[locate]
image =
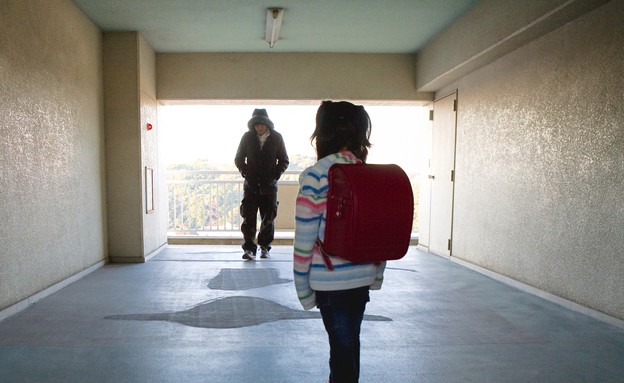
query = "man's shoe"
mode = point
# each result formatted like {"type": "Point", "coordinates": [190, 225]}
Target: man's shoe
{"type": "Point", "coordinates": [249, 255]}
{"type": "Point", "coordinates": [264, 252]}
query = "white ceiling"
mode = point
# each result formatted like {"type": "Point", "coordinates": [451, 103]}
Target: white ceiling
{"type": "Point", "coordinates": [350, 26]}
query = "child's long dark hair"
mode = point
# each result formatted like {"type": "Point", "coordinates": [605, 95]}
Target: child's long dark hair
{"type": "Point", "coordinates": [342, 125]}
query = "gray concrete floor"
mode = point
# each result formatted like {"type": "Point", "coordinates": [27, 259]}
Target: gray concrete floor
{"type": "Point", "coordinates": [201, 314]}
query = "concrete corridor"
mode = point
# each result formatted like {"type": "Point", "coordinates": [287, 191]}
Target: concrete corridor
{"type": "Point", "coordinates": [202, 314]}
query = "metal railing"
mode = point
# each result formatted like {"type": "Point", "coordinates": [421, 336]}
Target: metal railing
{"type": "Point", "coordinates": [201, 200]}
{"type": "Point", "coordinates": [207, 201]}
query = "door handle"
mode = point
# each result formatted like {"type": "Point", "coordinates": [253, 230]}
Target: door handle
{"type": "Point", "coordinates": [431, 176]}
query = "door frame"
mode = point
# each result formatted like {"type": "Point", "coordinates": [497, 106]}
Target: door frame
{"type": "Point", "coordinates": [430, 184]}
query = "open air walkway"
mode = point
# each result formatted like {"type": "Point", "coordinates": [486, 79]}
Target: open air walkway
{"type": "Point", "coordinates": [202, 314]}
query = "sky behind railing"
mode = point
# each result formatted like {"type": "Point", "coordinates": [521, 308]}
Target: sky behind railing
{"type": "Point", "coordinates": [213, 132]}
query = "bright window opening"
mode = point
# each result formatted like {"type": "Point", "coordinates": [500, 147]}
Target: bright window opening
{"type": "Point", "coordinates": [199, 142]}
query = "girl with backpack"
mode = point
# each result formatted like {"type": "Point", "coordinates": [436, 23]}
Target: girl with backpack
{"type": "Point", "coordinates": [341, 136]}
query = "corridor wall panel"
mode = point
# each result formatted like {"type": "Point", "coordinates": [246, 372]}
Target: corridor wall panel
{"type": "Point", "coordinates": [540, 163]}
{"type": "Point", "coordinates": [52, 179]}
{"type": "Point", "coordinates": [287, 76]}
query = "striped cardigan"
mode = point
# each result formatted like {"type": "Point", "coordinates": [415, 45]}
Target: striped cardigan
{"type": "Point", "coordinates": [310, 273]}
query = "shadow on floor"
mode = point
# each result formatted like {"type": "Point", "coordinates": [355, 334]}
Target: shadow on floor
{"type": "Point", "coordinates": [232, 312]}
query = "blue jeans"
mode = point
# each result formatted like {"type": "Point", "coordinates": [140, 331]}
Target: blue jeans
{"type": "Point", "coordinates": [342, 313]}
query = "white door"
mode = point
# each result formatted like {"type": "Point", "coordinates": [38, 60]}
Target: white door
{"type": "Point", "coordinates": [441, 174]}
{"type": "Point", "coordinates": [424, 186]}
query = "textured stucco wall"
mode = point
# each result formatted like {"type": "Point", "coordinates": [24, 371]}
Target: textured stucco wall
{"type": "Point", "coordinates": [540, 163]}
{"type": "Point", "coordinates": [51, 146]}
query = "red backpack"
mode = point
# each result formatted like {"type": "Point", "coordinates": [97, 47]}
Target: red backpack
{"type": "Point", "coordinates": [370, 210]}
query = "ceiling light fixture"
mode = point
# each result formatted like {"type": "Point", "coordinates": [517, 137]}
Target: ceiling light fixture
{"type": "Point", "coordinates": [273, 25]}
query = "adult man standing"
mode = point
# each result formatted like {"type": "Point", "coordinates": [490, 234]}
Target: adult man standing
{"type": "Point", "coordinates": [261, 159]}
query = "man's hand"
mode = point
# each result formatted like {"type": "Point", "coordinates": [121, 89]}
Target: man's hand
{"type": "Point", "coordinates": [243, 172]}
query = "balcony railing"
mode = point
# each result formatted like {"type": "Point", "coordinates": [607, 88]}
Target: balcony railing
{"type": "Point", "coordinates": [201, 201]}
{"type": "Point", "coordinates": [208, 201]}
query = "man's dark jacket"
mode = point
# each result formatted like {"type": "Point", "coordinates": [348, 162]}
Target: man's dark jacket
{"type": "Point", "coordinates": [261, 168]}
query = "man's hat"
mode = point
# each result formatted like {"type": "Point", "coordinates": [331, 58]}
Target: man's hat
{"type": "Point", "coordinates": [260, 116]}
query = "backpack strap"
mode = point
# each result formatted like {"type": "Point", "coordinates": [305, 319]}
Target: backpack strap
{"type": "Point", "coordinates": [328, 263]}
